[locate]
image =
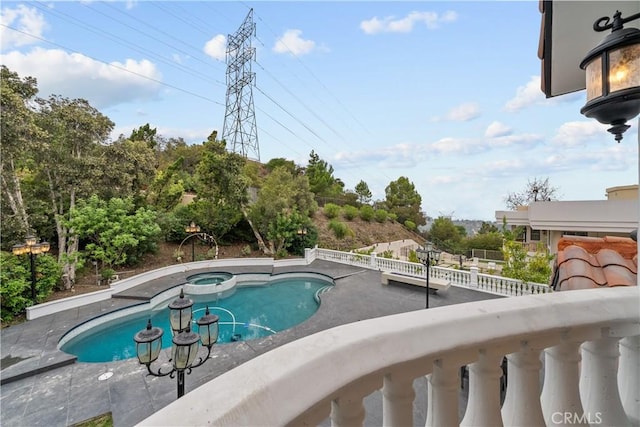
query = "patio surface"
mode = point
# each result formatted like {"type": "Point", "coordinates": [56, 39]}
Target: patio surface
{"type": "Point", "coordinates": [47, 387]}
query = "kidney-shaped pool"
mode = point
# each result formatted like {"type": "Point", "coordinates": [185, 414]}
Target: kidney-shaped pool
{"type": "Point", "coordinates": [248, 311]}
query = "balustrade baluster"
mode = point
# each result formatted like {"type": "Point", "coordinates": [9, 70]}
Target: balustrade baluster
{"type": "Point", "coordinates": [347, 410]}
{"type": "Point", "coordinates": [628, 374]}
{"type": "Point", "coordinates": [442, 395]}
{"type": "Point", "coordinates": [599, 385]}
{"type": "Point", "coordinates": [522, 403]}
{"type": "Point", "coordinates": [397, 400]}
{"type": "Point", "coordinates": [560, 392]}
{"type": "Point", "coordinates": [483, 407]}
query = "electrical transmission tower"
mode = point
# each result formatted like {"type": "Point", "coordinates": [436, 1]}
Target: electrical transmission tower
{"type": "Point", "coordinates": [240, 117]}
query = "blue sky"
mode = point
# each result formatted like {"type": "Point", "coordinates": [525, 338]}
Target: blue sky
{"type": "Point", "coordinates": [443, 93]}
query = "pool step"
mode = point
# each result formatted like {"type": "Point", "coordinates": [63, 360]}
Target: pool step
{"type": "Point", "coordinates": [35, 366]}
{"type": "Point", "coordinates": [320, 291]}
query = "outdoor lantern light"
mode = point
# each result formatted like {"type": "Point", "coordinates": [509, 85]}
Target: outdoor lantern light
{"type": "Point", "coordinates": [613, 75]}
{"type": "Point", "coordinates": [425, 255]}
{"type": "Point", "coordinates": [192, 229]}
{"type": "Point", "coordinates": [180, 316]}
{"type": "Point", "coordinates": [148, 344]}
{"type": "Point", "coordinates": [31, 247]}
{"type": "Point", "coordinates": [208, 328]}
{"type": "Point", "coordinates": [185, 342]}
{"type": "Point", "coordinates": [185, 349]}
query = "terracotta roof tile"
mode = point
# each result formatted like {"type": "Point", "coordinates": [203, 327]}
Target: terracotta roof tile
{"type": "Point", "coordinates": [592, 262]}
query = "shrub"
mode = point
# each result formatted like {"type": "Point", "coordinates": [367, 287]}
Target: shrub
{"type": "Point", "coordinates": [393, 217]}
{"type": "Point", "coordinates": [366, 213]}
{"type": "Point", "coordinates": [340, 229]}
{"type": "Point", "coordinates": [381, 215]}
{"type": "Point", "coordinates": [15, 276]}
{"type": "Point", "coordinates": [387, 254]}
{"type": "Point", "coordinates": [350, 212]}
{"type": "Point", "coordinates": [331, 210]}
{"type": "Point", "coordinates": [410, 225]}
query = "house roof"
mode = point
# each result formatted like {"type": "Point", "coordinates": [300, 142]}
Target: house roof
{"type": "Point", "coordinates": [595, 262]}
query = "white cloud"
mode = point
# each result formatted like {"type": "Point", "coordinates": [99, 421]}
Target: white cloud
{"type": "Point", "coordinates": [531, 94]}
{"type": "Point", "coordinates": [406, 24]}
{"type": "Point", "coordinates": [571, 134]}
{"type": "Point", "coordinates": [216, 47]}
{"type": "Point", "coordinates": [497, 129]}
{"type": "Point", "coordinates": [27, 20]}
{"type": "Point", "coordinates": [461, 113]}
{"type": "Point", "coordinates": [292, 43]}
{"type": "Point", "coordinates": [78, 76]}
{"type": "Point", "coordinates": [526, 95]}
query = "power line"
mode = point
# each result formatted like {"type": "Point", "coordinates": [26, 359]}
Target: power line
{"type": "Point", "coordinates": [115, 66]}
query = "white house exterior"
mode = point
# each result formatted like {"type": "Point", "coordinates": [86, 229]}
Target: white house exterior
{"type": "Point", "coordinates": [547, 221]}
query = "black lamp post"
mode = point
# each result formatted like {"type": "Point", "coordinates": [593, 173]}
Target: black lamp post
{"type": "Point", "coordinates": [192, 229]}
{"type": "Point", "coordinates": [613, 75]}
{"type": "Point", "coordinates": [31, 247]}
{"type": "Point", "coordinates": [185, 342]}
{"type": "Point", "coordinates": [425, 255]}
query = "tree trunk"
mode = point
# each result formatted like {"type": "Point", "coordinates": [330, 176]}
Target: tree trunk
{"type": "Point", "coordinates": [14, 196]}
{"type": "Point", "coordinates": [265, 250]}
{"type": "Point", "coordinates": [67, 244]}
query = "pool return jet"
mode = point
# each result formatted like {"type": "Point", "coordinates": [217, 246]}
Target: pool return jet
{"type": "Point", "coordinates": [185, 342]}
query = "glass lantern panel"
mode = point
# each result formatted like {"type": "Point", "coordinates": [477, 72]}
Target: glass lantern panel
{"type": "Point", "coordinates": [144, 352]}
{"type": "Point", "coordinates": [156, 347]}
{"type": "Point", "coordinates": [184, 355]}
{"type": "Point", "coordinates": [179, 356]}
{"type": "Point", "coordinates": [209, 334]}
{"type": "Point", "coordinates": [594, 79]}
{"type": "Point", "coordinates": [180, 319]}
{"type": "Point", "coordinates": [624, 68]}
{"type": "Point", "coordinates": [193, 352]}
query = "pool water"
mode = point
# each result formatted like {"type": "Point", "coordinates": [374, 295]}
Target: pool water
{"type": "Point", "coordinates": [250, 312]}
{"type": "Point", "coordinates": [208, 278]}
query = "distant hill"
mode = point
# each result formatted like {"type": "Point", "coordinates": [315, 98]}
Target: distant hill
{"type": "Point", "coordinates": [364, 233]}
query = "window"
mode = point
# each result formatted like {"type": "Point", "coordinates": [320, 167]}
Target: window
{"type": "Point", "coordinates": [535, 235]}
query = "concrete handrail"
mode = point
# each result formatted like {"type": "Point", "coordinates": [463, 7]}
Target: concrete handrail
{"type": "Point", "coordinates": [277, 393]}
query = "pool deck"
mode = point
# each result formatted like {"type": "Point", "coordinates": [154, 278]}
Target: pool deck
{"type": "Point", "coordinates": [42, 386]}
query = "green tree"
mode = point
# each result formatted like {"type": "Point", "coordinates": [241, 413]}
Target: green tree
{"type": "Point", "coordinates": [403, 200]}
{"type": "Point", "coordinates": [18, 132]}
{"type": "Point", "coordinates": [281, 197]}
{"type": "Point", "coordinates": [487, 227]}
{"type": "Point", "coordinates": [116, 232]}
{"type": "Point", "coordinates": [363, 192]}
{"type": "Point", "coordinates": [167, 189]}
{"type": "Point", "coordinates": [321, 179]}
{"type": "Point", "coordinates": [124, 168]}
{"type": "Point", "coordinates": [75, 132]}
{"type": "Point", "coordinates": [489, 241]}
{"type": "Point", "coordinates": [446, 235]}
{"type": "Point", "coordinates": [145, 134]}
{"type": "Point", "coordinates": [221, 187]}
{"type": "Point", "coordinates": [282, 162]}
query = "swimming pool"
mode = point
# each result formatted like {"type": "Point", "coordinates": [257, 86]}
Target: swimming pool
{"type": "Point", "coordinates": [248, 311]}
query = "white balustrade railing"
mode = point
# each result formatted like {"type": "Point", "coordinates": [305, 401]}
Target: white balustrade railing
{"type": "Point", "coordinates": [589, 339]}
{"type": "Point", "coordinates": [470, 279]}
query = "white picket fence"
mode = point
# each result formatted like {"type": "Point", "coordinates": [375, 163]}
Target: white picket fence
{"type": "Point", "coordinates": [472, 279]}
